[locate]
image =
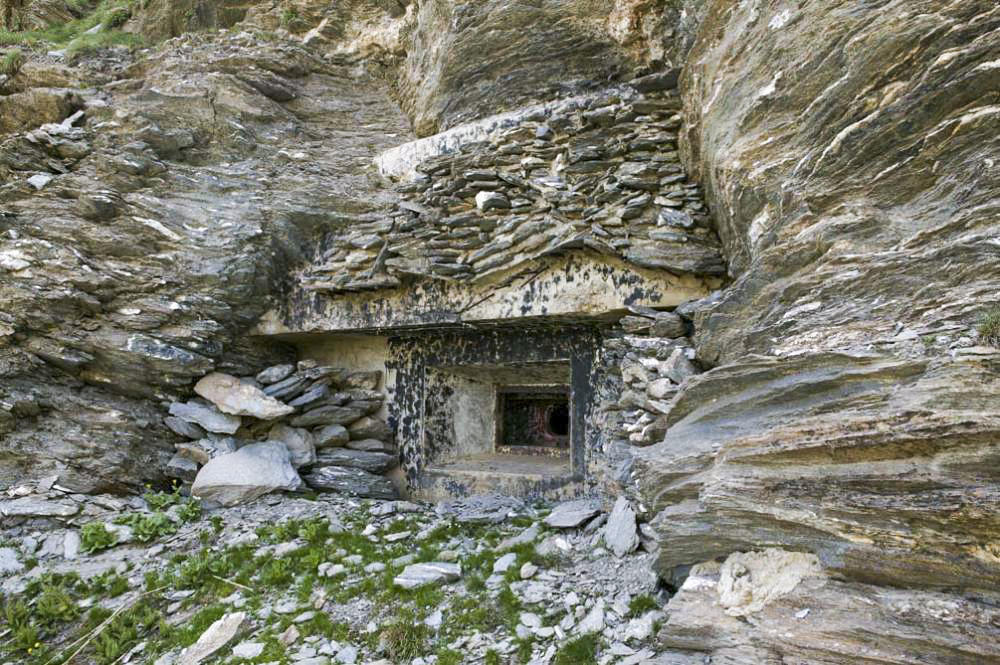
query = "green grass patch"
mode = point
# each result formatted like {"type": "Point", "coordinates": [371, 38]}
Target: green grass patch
{"type": "Point", "coordinates": [11, 62]}
{"type": "Point", "coordinates": [448, 657]}
{"type": "Point", "coordinates": [405, 638]}
{"type": "Point", "coordinates": [641, 604]}
{"type": "Point", "coordinates": [525, 646]}
{"type": "Point", "coordinates": [73, 34]}
{"type": "Point", "coordinates": [989, 327]}
{"type": "Point", "coordinates": [579, 651]}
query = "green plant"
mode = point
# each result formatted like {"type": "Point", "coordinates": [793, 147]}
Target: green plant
{"type": "Point", "coordinates": [96, 536]}
{"type": "Point", "coordinates": [641, 604]}
{"type": "Point", "coordinates": [405, 639]}
{"type": "Point", "coordinates": [12, 62]}
{"type": "Point", "coordinates": [147, 527]}
{"type": "Point", "coordinates": [190, 511]}
{"type": "Point", "coordinates": [162, 500]}
{"type": "Point", "coordinates": [216, 522]}
{"type": "Point", "coordinates": [288, 16]}
{"type": "Point", "coordinates": [989, 327]}
{"type": "Point", "coordinates": [579, 651]}
{"type": "Point", "coordinates": [525, 645]}
{"type": "Point", "coordinates": [110, 583]}
{"type": "Point", "coordinates": [491, 658]}
{"type": "Point", "coordinates": [508, 607]}
{"type": "Point", "coordinates": [116, 18]}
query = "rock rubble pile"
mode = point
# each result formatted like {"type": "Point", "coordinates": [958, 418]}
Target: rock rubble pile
{"type": "Point", "coordinates": [246, 436]}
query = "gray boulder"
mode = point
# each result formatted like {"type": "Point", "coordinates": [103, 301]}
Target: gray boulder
{"type": "Point", "coordinates": [421, 574]}
{"type": "Point", "coordinates": [237, 398]}
{"type": "Point", "coordinates": [246, 474]}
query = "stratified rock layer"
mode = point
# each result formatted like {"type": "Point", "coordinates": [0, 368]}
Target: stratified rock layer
{"type": "Point", "coordinates": [847, 157]}
{"type": "Point", "coordinates": [173, 213]}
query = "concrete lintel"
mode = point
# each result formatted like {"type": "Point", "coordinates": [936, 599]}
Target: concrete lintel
{"type": "Point", "coordinates": [576, 286]}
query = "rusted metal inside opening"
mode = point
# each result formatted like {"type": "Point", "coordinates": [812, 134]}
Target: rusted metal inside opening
{"type": "Point", "coordinates": [533, 420]}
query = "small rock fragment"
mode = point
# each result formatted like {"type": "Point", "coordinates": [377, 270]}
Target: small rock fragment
{"type": "Point", "coordinates": [214, 638]}
{"type": "Point", "coordinates": [572, 514]}
{"type": "Point", "coordinates": [421, 574]}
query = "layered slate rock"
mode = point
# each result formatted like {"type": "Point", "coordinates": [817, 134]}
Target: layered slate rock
{"type": "Point", "coordinates": [852, 411]}
{"type": "Point", "coordinates": [350, 481]}
{"type": "Point", "coordinates": [139, 267]}
{"type": "Point", "coordinates": [494, 196]}
{"type": "Point", "coordinates": [312, 391]}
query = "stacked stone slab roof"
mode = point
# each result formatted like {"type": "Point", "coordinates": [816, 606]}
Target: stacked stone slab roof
{"type": "Point", "coordinates": [603, 174]}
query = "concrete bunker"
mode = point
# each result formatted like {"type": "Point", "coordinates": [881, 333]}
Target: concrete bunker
{"type": "Point", "coordinates": [489, 294]}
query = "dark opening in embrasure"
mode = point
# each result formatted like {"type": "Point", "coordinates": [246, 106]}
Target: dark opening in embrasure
{"type": "Point", "coordinates": [533, 418]}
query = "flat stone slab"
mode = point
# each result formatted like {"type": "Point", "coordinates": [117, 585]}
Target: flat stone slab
{"type": "Point", "coordinates": [10, 563]}
{"type": "Point", "coordinates": [574, 513]}
{"type": "Point", "coordinates": [356, 459]}
{"type": "Point", "coordinates": [421, 574]}
{"type": "Point", "coordinates": [350, 481]}
{"type": "Point", "coordinates": [31, 507]}
{"type": "Point", "coordinates": [214, 638]}
{"type": "Point", "coordinates": [328, 415]}
{"type": "Point", "coordinates": [206, 415]}
{"type": "Point", "coordinates": [275, 374]}
{"type": "Point", "coordinates": [236, 398]}
{"type": "Point", "coordinates": [488, 508]}
{"type": "Point", "coordinates": [621, 534]}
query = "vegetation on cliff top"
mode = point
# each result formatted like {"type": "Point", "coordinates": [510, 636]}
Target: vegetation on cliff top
{"type": "Point", "coordinates": [98, 26]}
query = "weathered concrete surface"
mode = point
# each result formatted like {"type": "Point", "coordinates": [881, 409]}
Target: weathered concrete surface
{"type": "Point", "coordinates": [849, 153]}
{"type": "Point", "coordinates": [578, 285]}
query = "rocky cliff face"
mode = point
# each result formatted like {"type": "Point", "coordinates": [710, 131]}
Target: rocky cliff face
{"type": "Point", "coordinates": [826, 493]}
{"type": "Point", "coordinates": [849, 155]}
{"type": "Point", "coordinates": [153, 233]}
